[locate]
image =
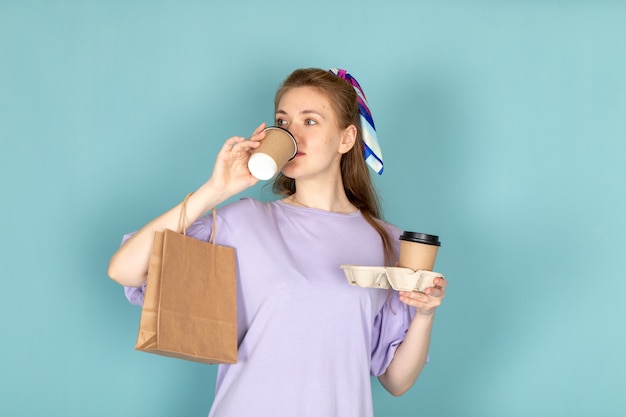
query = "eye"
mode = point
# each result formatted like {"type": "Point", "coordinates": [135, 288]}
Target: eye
{"type": "Point", "coordinates": [281, 122]}
{"type": "Point", "coordinates": [310, 122]}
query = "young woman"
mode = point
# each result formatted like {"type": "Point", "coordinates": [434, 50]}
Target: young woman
{"type": "Point", "coordinates": [308, 340]}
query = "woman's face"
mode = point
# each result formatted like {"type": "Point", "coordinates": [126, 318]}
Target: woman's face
{"type": "Point", "coordinates": [306, 112]}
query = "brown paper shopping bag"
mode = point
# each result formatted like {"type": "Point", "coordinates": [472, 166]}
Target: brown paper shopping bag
{"type": "Point", "coordinates": [190, 308]}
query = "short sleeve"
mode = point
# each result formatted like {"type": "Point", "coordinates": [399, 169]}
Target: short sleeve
{"type": "Point", "coordinates": [135, 295]}
{"type": "Point", "coordinates": [390, 327]}
{"type": "Point", "coordinates": [200, 229]}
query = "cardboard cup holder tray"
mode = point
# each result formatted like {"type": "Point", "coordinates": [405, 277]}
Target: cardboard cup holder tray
{"type": "Point", "coordinates": [384, 277]}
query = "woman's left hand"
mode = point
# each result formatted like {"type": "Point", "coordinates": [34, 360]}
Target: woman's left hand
{"type": "Point", "coordinates": [426, 302]}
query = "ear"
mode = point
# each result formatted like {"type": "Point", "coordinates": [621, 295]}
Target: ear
{"type": "Point", "coordinates": [348, 138]}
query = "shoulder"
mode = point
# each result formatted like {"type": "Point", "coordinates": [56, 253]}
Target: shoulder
{"type": "Point", "coordinates": [246, 205]}
{"type": "Point", "coordinates": [392, 229]}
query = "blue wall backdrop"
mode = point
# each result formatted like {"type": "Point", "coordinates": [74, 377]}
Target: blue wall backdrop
{"type": "Point", "coordinates": [503, 125]}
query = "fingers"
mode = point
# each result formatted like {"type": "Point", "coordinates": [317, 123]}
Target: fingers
{"type": "Point", "coordinates": [259, 132]}
{"type": "Point", "coordinates": [259, 129]}
{"type": "Point", "coordinates": [428, 300]}
{"type": "Point", "coordinates": [239, 146]}
{"type": "Point", "coordinates": [423, 303]}
{"type": "Point", "coordinates": [439, 287]}
{"type": "Point", "coordinates": [231, 142]}
{"type": "Point", "coordinates": [440, 282]}
{"type": "Point", "coordinates": [414, 298]}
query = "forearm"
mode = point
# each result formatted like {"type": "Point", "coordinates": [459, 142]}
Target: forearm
{"type": "Point", "coordinates": [410, 356]}
{"type": "Point", "coordinates": [129, 265]}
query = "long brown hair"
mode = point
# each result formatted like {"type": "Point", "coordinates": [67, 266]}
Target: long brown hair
{"type": "Point", "coordinates": [355, 174]}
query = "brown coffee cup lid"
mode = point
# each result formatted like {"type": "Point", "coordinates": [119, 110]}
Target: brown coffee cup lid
{"type": "Point", "coordinates": [420, 238]}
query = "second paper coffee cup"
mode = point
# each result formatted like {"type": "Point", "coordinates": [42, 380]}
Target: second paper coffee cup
{"type": "Point", "coordinates": [418, 251]}
{"type": "Point", "coordinates": [277, 148]}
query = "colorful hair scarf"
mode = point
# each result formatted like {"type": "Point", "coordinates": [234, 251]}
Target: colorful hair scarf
{"type": "Point", "coordinates": [373, 154]}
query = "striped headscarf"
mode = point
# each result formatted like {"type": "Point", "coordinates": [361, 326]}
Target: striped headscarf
{"type": "Point", "coordinates": [373, 154]}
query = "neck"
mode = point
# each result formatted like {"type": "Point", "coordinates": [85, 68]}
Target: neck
{"type": "Point", "coordinates": [322, 197]}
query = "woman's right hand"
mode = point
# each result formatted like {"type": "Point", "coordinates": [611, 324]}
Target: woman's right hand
{"type": "Point", "coordinates": [129, 264]}
{"type": "Point", "coordinates": [230, 172]}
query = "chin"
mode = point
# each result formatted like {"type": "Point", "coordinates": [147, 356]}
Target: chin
{"type": "Point", "coordinates": [288, 176]}
{"type": "Point", "coordinates": [289, 171]}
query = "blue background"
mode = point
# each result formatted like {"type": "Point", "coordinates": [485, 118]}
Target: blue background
{"type": "Point", "coordinates": [503, 129]}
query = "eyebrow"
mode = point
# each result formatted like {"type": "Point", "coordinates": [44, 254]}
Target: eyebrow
{"type": "Point", "coordinates": [282, 112]}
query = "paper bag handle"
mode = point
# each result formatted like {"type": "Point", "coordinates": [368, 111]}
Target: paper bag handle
{"type": "Point", "coordinates": [213, 230]}
{"type": "Point", "coordinates": [182, 220]}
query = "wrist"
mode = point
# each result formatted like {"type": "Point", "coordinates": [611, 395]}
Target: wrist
{"type": "Point", "coordinates": [424, 317]}
{"type": "Point", "coordinates": [210, 195]}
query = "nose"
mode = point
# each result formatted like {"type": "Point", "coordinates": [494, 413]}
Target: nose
{"type": "Point", "coordinates": [294, 132]}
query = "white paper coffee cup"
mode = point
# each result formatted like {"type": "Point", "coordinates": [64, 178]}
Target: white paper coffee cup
{"type": "Point", "coordinates": [277, 148]}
